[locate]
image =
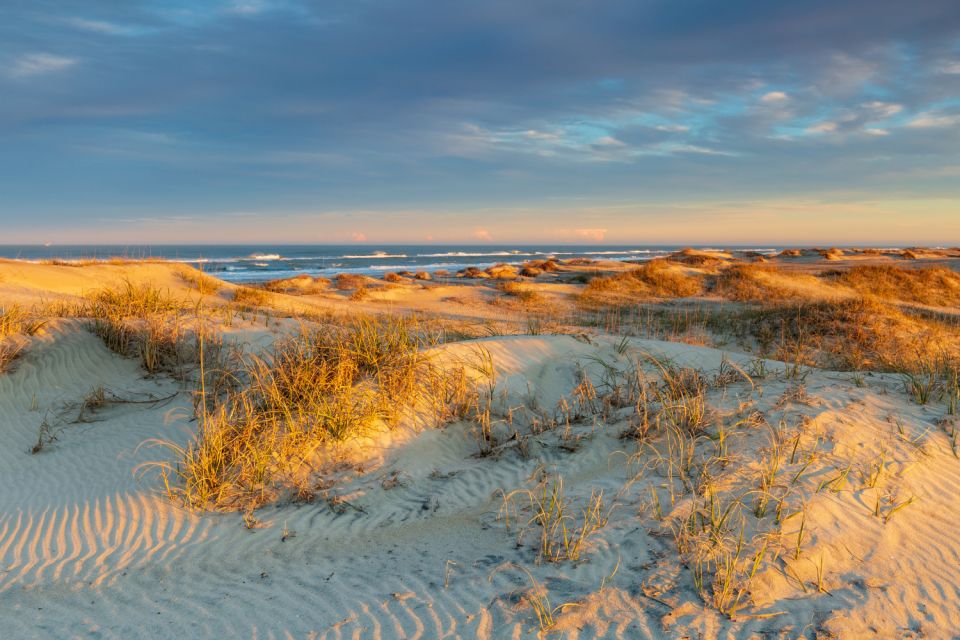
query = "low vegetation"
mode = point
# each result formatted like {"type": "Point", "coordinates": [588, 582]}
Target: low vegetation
{"type": "Point", "coordinates": [933, 286]}
{"type": "Point", "coordinates": [320, 386]}
{"type": "Point", "coordinates": [656, 279]}
{"type": "Point", "coordinates": [766, 284]}
{"type": "Point", "coordinates": [199, 281]}
{"type": "Point", "coordinates": [147, 322]}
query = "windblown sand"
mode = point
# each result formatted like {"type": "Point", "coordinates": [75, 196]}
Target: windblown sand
{"type": "Point", "coordinates": [412, 542]}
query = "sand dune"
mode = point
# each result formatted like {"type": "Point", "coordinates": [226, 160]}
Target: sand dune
{"type": "Point", "coordinates": [413, 539]}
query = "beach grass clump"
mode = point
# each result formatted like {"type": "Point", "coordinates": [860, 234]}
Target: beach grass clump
{"type": "Point", "coordinates": [199, 281]}
{"type": "Point", "coordinates": [932, 286]}
{"type": "Point", "coordinates": [298, 285]}
{"type": "Point", "coordinates": [349, 281]}
{"type": "Point", "coordinates": [132, 300]}
{"type": "Point", "coordinates": [847, 334]}
{"type": "Point", "coordinates": [250, 297]}
{"type": "Point", "coordinates": [520, 292]}
{"type": "Point", "coordinates": [146, 322]}
{"type": "Point", "coordinates": [656, 279]}
{"type": "Point", "coordinates": [766, 284]}
{"type": "Point", "coordinates": [14, 321]}
{"type": "Point", "coordinates": [318, 387]}
{"type": "Point", "coordinates": [562, 534]}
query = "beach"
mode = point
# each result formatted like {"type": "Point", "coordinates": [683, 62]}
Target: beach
{"type": "Point", "coordinates": [703, 443]}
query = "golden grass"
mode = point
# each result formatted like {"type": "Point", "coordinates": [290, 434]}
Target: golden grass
{"type": "Point", "coordinates": [767, 284]}
{"type": "Point", "coordinates": [14, 320]}
{"type": "Point", "coordinates": [299, 285]}
{"type": "Point", "coordinates": [196, 279]}
{"type": "Point", "coordinates": [317, 387]}
{"type": "Point", "coordinates": [347, 281]}
{"type": "Point", "coordinates": [145, 321]}
{"type": "Point", "coordinates": [525, 294]}
{"type": "Point", "coordinates": [857, 334]}
{"type": "Point", "coordinates": [655, 279]}
{"type": "Point", "coordinates": [933, 286]}
{"type": "Point", "coordinates": [251, 297]}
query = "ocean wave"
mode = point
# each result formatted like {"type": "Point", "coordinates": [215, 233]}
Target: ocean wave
{"type": "Point", "coordinates": [464, 254]}
{"type": "Point", "coordinates": [375, 256]}
{"type": "Point", "coordinates": [417, 267]}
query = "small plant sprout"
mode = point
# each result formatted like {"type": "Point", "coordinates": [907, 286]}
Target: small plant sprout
{"type": "Point", "coordinates": [562, 536]}
{"type": "Point", "coordinates": [538, 597]}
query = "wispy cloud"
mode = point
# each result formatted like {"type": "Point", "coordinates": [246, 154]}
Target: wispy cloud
{"type": "Point", "coordinates": [34, 64]}
{"type": "Point", "coordinates": [594, 235]}
{"type": "Point", "coordinates": [774, 97]}
{"type": "Point", "coordinates": [104, 27]}
{"type": "Point", "coordinates": [930, 120]}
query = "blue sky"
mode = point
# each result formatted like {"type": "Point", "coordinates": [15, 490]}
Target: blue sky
{"type": "Point", "coordinates": [498, 121]}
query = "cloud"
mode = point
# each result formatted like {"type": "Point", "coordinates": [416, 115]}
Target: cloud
{"type": "Point", "coordinates": [774, 97]}
{"type": "Point", "coordinates": [596, 235]}
{"type": "Point", "coordinates": [104, 27]}
{"type": "Point", "coordinates": [482, 234]}
{"type": "Point", "coordinates": [951, 68]}
{"type": "Point", "coordinates": [487, 107]}
{"type": "Point", "coordinates": [609, 141]}
{"type": "Point", "coordinates": [33, 64]}
{"type": "Point", "coordinates": [358, 236]}
{"type": "Point", "coordinates": [249, 7]}
{"type": "Point", "coordinates": [881, 110]}
{"type": "Point", "coordinates": [823, 127]}
{"type": "Point", "coordinates": [930, 120]}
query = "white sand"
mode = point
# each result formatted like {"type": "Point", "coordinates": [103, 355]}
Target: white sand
{"type": "Point", "coordinates": [88, 551]}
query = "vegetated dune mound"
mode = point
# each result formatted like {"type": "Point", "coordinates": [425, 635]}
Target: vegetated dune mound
{"type": "Point", "coordinates": [795, 495]}
{"type": "Point", "coordinates": [926, 285]}
{"type": "Point", "coordinates": [298, 285]}
{"type": "Point", "coordinates": [699, 257]}
{"type": "Point", "coordinates": [762, 283]}
{"type": "Point", "coordinates": [348, 281]}
{"type": "Point", "coordinates": [656, 279]}
{"type": "Point", "coordinates": [29, 282]}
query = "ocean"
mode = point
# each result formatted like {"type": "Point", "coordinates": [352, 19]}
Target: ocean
{"type": "Point", "coordinates": [257, 263]}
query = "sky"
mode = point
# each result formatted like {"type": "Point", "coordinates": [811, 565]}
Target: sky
{"type": "Point", "coordinates": [488, 121]}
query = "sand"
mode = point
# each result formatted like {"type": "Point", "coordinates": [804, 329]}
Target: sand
{"type": "Point", "coordinates": [416, 544]}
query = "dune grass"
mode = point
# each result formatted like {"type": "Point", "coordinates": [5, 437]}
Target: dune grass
{"type": "Point", "coordinates": [16, 322]}
{"type": "Point", "coordinates": [201, 282]}
{"type": "Point", "coordinates": [560, 534]}
{"type": "Point", "coordinates": [318, 387]}
{"type": "Point", "coordinates": [250, 297]}
{"type": "Point", "coordinates": [147, 322]}
{"type": "Point", "coordinates": [766, 284]}
{"type": "Point", "coordinates": [932, 285]}
{"type": "Point", "coordinates": [655, 279]}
